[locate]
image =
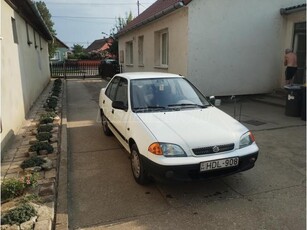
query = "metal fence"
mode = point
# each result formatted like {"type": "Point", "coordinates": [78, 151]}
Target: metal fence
{"type": "Point", "coordinates": [75, 68]}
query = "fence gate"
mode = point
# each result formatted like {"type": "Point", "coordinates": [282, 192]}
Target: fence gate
{"type": "Point", "coordinates": [75, 69]}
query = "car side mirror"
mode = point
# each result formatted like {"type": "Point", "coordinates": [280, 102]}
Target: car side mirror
{"type": "Point", "coordinates": [119, 105]}
{"type": "Point", "coordinates": [212, 99]}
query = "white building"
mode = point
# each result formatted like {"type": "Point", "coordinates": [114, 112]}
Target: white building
{"type": "Point", "coordinates": [24, 63]}
{"type": "Point", "coordinates": [224, 47]}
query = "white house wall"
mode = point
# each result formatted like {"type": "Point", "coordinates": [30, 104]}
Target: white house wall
{"type": "Point", "coordinates": [176, 23]}
{"type": "Point", "coordinates": [24, 72]}
{"type": "Point", "coordinates": [235, 47]}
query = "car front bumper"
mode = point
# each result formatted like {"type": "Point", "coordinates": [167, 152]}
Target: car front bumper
{"type": "Point", "coordinates": [192, 172]}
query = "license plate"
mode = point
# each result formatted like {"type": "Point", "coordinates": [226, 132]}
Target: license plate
{"type": "Point", "coordinates": [218, 164]}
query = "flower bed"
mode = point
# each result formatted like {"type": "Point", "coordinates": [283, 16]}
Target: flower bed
{"type": "Point", "coordinates": [28, 185]}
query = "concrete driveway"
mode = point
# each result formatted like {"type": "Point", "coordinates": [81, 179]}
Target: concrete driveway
{"type": "Point", "coordinates": [102, 193]}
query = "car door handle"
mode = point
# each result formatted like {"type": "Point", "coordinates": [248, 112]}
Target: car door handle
{"type": "Point", "coordinates": [113, 111]}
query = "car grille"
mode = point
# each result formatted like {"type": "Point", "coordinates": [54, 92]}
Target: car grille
{"type": "Point", "coordinates": [213, 149]}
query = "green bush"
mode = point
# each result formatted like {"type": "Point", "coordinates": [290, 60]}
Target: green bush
{"type": "Point", "coordinates": [46, 120]}
{"type": "Point", "coordinates": [52, 103]}
{"type": "Point", "coordinates": [51, 109]}
{"type": "Point", "coordinates": [32, 162]}
{"type": "Point", "coordinates": [57, 81]}
{"type": "Point", "coordinates": [56, 91]}
{"type": "Point", "coordinates": [52, 100]}
{"type": "Point", "coordinates": [18, 215]}
{"type": "Point", "coordinates": [29, 180]}
{"type": "Point", "coordinates": [47, 117]}
{"type": "Point", "coordinates": [56, 87]}
{"type": "Point", "coordinates": [43, 136]}
{"type": "Point", "coordinates": [55, 94]}
{"type": "Point", "coordinates": [44, 128]}
{"type": "Point", "coordinates": [48, 114]}
{"type": "Point", "coordinates": [41, 146]}
{"type": "Point", "coordinates": [30, 198]}
{"type": "Point", "coordinates": [11, 188]}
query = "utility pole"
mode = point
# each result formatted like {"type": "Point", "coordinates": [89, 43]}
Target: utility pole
{"type": "Point", "coordinates": [138, 4]}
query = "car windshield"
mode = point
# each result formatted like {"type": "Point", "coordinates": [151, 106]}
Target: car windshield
{"type": "Point", "coordinates": [160, 94]}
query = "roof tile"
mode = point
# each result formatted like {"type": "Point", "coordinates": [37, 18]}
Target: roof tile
{"type": "Point", "coordinates": [156, 8]}
{"type": "Point", "coordinates": [289, 10]}
{"type": "Point", "coordinates": [98, 44]}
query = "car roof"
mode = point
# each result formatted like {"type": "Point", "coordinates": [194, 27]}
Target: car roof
{"type": "Point", "coordinates": [147, 75]}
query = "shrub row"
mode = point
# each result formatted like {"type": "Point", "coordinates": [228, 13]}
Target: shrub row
{"type": "Point", "coordinates": [15, 187]}
{"type": "Point", "coordinates": [52, 100]}
{"type": "Point", "coordinates": [45, 127]}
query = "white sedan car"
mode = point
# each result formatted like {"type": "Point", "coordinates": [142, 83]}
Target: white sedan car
{"type": "Point", "coordinates": [171, 131]}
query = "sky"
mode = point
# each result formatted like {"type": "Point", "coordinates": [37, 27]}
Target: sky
{"type": "Point", "coordinates": [84, 21]}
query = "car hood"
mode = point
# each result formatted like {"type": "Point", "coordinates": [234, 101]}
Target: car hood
{"type": "Point", "coordinates": [195, 128]}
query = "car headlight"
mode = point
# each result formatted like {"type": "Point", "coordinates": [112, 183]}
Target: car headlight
{"type": "Point", "coordinates": [166, 149]}
{"type": "Point", "coordinates": [246, 140]}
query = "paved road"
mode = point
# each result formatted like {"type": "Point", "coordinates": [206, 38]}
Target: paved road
{"type": "Point", "coordinates": [103, 194]}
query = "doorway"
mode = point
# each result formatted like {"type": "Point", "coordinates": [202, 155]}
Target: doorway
{"type": "Point", "coordinates": [299, 47]}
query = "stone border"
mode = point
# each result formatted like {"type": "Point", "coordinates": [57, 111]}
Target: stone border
{"type": "Point", "coordinates": [48, 180]}
{"type": "Point", "coordinates": [62, 189]}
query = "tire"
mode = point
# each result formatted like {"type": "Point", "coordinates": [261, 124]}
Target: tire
{"type": "Point", "coordinates": [104, 124]}
{"type": "Point", "coordinates": [138, 170]}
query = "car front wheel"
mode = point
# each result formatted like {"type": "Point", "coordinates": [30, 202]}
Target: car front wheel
{"type": "Point", "coordinates": [138, 170]}
{"type": "Point", "coordinates": [104, 123]}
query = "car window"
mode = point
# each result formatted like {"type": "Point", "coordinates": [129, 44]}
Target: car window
{"type": "Point", "coordinates": [111, 90]}
{"type": "Point", "coordinates": [122, 91]}
{"type": "Point", "coordinates": [165, 93]}
{"type": "Point", "coordinates": [189, 93]}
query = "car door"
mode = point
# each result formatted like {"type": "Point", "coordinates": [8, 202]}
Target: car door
{"type": "Point", "coordinates": [110, 97]}
{"type": "Point", "coordinates": [120, 116]}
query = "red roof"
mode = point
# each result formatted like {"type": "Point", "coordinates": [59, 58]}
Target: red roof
{"type": "Point", "coordinates": [155, 11]}
{"type": "Point", "coordinates": [99, 45]}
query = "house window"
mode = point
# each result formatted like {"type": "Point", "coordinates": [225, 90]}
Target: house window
{"type": "Point", "coordinates": [56, 56]}
{"type": "Point", "coordinates": [14, 27]}
{"type": "Point", "coordinates": [28, 36]}
{"type": "Point", "coordinates": [164, 49]}
{"type": "Point", "coordinates": [35, 43]}
{"type": "Point", "coordinates": [40, 43]}
{"type": "Point", "coordinates": [141, 50]}
{"type": "Point", "coordinates": [121, 56]}
{"type": "Point", "coordinates": [161, 48]}
{"type": "Point", "coordinates": [129, 53]}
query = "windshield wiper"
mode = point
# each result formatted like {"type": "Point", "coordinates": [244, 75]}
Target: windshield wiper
{"type": "Point", "coordinates": [187, 105]}
{"type": "Point", "coordinates": [148, 108]}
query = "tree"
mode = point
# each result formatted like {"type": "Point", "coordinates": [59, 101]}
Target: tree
{"type": "Point", "coordinates": [119, 25]}
{"type": "Point", "coordinates": [77, 49]}
{"type": "Point", "coordinates": [78, 52]}
{"type": "Point", "coordinates": [46, 16]}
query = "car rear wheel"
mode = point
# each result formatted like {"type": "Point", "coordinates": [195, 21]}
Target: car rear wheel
{"type": "Point", "coordinates": [104, 123]}
{"type": "Point", "coordinates": [138, 170]}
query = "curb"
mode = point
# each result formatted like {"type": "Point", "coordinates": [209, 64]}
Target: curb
{"type": "Point", "coordinates": [61, 218]}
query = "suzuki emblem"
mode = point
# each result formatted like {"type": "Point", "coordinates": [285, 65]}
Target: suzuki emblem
{"type": "Point", "coordinates": [216, 149]}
